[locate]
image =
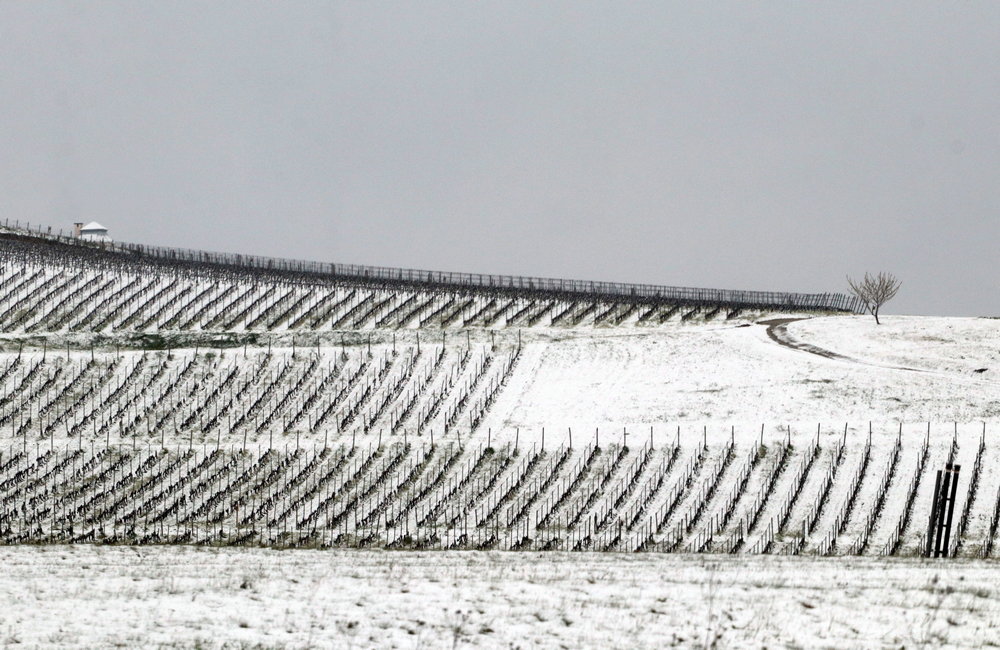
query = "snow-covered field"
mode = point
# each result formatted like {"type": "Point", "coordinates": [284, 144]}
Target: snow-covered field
{"type": "Point", "coordinates": [187, 597]}
{"type": "Point", "coordinates": [956, 346]}
{"type": "Point", "coordinates": [719, 378]}
{"type": "Point", "coordinates": [909, 369]}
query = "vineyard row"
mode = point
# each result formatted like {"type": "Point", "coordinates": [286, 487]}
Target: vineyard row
{"type": "Point", "coordinates": [40, 293]}
{"type": "Point", "coordinates": [254, 395]}
{"type": "Point", "coordinates": [826, 496]}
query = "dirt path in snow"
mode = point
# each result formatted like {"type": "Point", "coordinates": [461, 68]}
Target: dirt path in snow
{"type": "Point", "coordinates": [777, 331]}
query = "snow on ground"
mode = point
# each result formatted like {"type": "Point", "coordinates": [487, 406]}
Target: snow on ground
{"type": "Point", "coordinates": [186, 597]}
{"type": "Point", "coordinates": [957, 346]}
{"type": "Point", "coordinates": [735, 373]}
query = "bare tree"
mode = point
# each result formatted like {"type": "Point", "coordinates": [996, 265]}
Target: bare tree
{"type": "Point", "coordinates": [875, 290]}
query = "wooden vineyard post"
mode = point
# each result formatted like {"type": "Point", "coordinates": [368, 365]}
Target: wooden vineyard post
{"type": "Point", "coordinates": [932, 521]}
{"type": "Point", "coordinates": [942, 511]}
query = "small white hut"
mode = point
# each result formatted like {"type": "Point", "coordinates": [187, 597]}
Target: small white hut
{"type": "Point", "coordinates": [92, 231]}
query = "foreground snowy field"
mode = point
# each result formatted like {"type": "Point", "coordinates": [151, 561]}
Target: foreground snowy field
{"type": "Point", "coordinates": [184, 597]}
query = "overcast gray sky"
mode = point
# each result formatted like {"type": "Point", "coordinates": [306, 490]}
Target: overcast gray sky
{"type": "Point", "coordinates": [735, 145]}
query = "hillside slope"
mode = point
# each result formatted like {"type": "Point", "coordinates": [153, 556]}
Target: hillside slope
{"type": "Point", "coordinates": [144, 402]}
